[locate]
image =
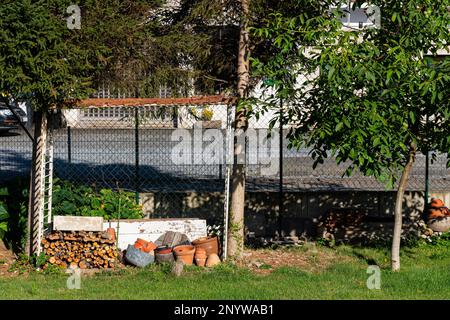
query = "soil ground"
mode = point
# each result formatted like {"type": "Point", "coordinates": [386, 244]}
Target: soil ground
{"type": "Point", "coordinates": [6, 259]}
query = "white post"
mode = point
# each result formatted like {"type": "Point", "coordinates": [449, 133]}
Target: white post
{"type": "Point", "coordinates": [50, 177]}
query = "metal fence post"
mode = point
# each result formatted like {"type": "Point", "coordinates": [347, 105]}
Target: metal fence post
{"type": "Point", "coordinates": [136, 153]}
{"type": "Point", "coordinates": [69, 144]}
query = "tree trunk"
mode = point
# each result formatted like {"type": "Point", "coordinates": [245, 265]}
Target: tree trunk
{"type": "Point", "coordinates": [396, 238]}
{"type": "Point", "coordinates": [236, 225]}
{"type": "Point", "coordinates": [36, 200]}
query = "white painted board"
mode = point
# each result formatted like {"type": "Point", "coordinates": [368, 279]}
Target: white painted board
{"type": "Point", "coordinates": [152, 229]}
{"type": "Point", "coordinates": [75, 223]}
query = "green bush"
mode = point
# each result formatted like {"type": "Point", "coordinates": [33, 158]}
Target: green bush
{"type": "Point", "coordinates": [441, 241]}
{"type": "Point", "coordinates": [68, 199]}
{"type": "Point", "coordinates": [4, 215]}
{"type": "Point", "coordinates": [14, 213]}
{"type": "Point", "coordinates": [79, 200]}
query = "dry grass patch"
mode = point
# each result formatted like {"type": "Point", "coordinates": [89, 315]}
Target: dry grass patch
{"type": "Point", "coordinates": [308, 257]}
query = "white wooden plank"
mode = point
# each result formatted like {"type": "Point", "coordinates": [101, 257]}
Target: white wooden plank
{"type": "Point", "coordinates": [151, 229]}
{"type": "Point", "coordinates": [74, 223]}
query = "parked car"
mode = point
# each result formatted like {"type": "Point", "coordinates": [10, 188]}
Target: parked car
{"type": "Point", "coordinates": [8, 121]}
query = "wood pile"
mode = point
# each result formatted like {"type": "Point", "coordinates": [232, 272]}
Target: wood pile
{"type": "Point", "coordinates": [85, 250]}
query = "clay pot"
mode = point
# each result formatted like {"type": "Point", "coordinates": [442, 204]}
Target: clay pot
{"type": "Point", "coordinates": [163, 250]}
{"type": "Point", "coordinates": [111, 233]}
{"type": "Point", "coordinates": [200, 261]}
{"type": "Point", "coordinates": [138, 258]}
{"type": "Point", "coordinates": [142, 242]}
{"type": "Point", "coordinates": [185, 253]}
{"type": "Point", "coordinates": [138, 245]}
{"type": "Point", "coordinates": [435, 213]}
{"type": "Point", "coordinates": [149, 247]}
{"type": "Point", "coordinates": [164, 257]}
{"type": "Point", "coordinates": [209, 244]}
{"type": "Point", "coordinates": [200, 251]}
{"type": "Point", "coordinates": [437, 203]}
{"type": "Point", "coordinates": [440, 224]}
{"type": "Point", "coordinates": [213, 260]}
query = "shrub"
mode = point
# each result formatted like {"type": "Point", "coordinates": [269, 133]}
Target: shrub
{"type": "Point", "coordinates": [4, 216]}
{"type": "Point", "coordinates": [68, 199]}
{"type": "Point", "coordinates": [207, 114]}
{"type": "Point", "coordinates": [14, 213]}
{"type": "Point", "coordinates": [441, 240]}
{"type": "Point", "coordinates": [80, 200]}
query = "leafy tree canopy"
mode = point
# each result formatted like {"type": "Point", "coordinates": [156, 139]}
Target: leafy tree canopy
{"type": "Point", "coordinates": [370, 96]}
{"type": "Point", "coordinates": [50, 64]}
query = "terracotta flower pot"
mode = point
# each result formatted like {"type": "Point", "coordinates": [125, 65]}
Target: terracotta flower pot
{"type": "Point", "coordinates": [142, 242]}
{"type": "Point", "coordinates": [209, 244]}
{"type": "Point", "coordinates": [200, 253]}
{"type": "Point", "coordinates": [213, 260]}
{"type": "Point", "coordinates": [441, 224]}
{"type": "Point", "coordinates": [164, 257]}
{"type": "Point", "coordinates": [200, 261]}
{"type": "Point", "coordinates": [437, 203]}
{"type": "Point", "coordinates": [163, 249]}
{"type": "Point", "coordinates": [435, 213]}
{"type": "Point", "coordinates": [112, 233]}
{"type": "Point", "coordinates": [138, 245]}
{"type": "Point", "coordinates": [185, 253]}
{"type": "Point", "coordinates": [149, 247]}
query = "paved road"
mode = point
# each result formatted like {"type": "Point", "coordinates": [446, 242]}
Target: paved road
{"type": "Point", "coordinates": [108, 156]}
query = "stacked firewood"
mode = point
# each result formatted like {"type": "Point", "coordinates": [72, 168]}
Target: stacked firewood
{"type": "Point", "coordinates": [85, 250]}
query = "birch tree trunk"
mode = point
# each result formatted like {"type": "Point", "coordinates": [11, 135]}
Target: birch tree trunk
{"type": "Point", "coordinates": [396, 238]}
{"type": "Point", "coordinates": [236, 224]}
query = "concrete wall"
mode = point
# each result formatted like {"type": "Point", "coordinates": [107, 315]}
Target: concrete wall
{"type": "Point", "coordinates": [261, 216]}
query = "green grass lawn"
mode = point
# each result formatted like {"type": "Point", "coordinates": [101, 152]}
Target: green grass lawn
{"type": "Point", "coordinates": [425, 274]}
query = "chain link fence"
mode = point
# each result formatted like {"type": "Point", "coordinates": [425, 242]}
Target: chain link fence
{"type": "Point", "coordinates": [174, 157]}
{"type": "Point", "coordinates": [143, 148]}
{"type": "Point", "coordinates": [135, 148]}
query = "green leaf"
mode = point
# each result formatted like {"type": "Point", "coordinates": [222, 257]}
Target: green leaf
{"type": "Point", "coordinates": [412, 116]}
{"type": "Point", "coordinates": [331, 72]}
{"type": "Point", "coordinates": [3, 212]}
{"type": "Point", "coordinates": [376, 141]}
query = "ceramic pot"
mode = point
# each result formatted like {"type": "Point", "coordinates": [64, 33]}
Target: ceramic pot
{"type": "Point", "coordinates": [437, 203]}
{"type": "Point", "coordinates": [149, 247]}
{"type": "Point", "coordinates": [200, 261]}
{"type": "Point", "coordinates": [200, 253]}
{"type": "Point", "coordinates": [185, 253]}
{"type": "Point", "coordinates": [137, 257]}
{"type": "Point", "coordinates": [163, 250]}
{"type": "Point", "coordinates": [111, 233]}
{"type": "Point", "coordinates": [142, 242]}
{"type": "Point", "coordinates": [440, 224]}
{"type": "Point", "coordinates": [164, 257]}
{"type": "Point", "coordinates": [213, 260]}
{"type": "Point", "coordinates": [209, 244]}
